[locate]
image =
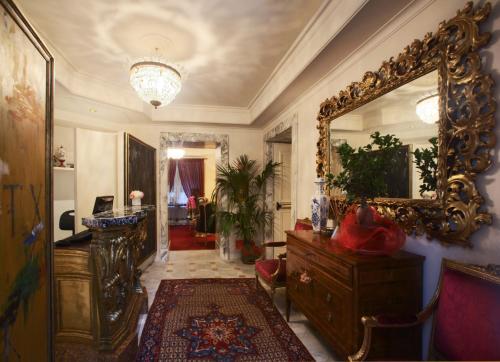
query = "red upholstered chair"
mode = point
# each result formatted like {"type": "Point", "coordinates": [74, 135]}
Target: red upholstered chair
{"type": "Point", "coordinates": [273, 271]}
{"type": "Point", "coordinates": [466, 310]}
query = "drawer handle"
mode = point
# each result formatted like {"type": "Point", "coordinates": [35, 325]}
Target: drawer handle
{"type": "Point", "coordinates": [330, 317]}
{"type": "Point", "coordinates": [305, 278]}
{"type": "Point", "coordinates": [328, 297]}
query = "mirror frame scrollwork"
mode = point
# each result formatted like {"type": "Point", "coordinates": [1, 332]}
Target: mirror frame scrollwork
{"type": "Point", "coordinates": [467, 119]}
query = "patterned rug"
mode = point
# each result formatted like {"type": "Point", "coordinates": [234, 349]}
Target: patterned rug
{"type": "Point", "coordinates": [217, 320]}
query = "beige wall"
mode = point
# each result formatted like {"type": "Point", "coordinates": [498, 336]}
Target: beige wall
{"type": "Point", "coordinates": [96, 170]}
{"type": "Point", "coordinates": [241, 140]}
{"type": "Point", "coordinates": [390, 42]}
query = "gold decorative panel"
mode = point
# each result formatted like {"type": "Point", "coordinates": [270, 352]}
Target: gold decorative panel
{"type": "Point", "coordinates": [465, 126]}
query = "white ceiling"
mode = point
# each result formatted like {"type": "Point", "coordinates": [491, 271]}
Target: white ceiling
{"type": "Point", "coordinates": [227, 48]}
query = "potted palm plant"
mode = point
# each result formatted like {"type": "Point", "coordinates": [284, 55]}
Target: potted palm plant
{"type": "Point", "coordinates": [240, 190]}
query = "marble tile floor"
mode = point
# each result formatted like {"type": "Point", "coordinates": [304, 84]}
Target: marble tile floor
{"type": "Point", "coordinates": [208, 264]}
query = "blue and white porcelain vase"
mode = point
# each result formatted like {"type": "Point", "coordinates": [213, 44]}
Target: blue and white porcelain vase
{"type": "Point", "coordinates": [319, 207]}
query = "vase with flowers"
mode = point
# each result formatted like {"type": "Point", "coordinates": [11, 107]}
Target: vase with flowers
{"type": "Point", "coordinates": [136, 197]}
{"type": "Point", "coordinates": [363, 178]}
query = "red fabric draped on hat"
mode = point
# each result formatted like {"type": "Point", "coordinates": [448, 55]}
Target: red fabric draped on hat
{"type": "Point", "coordinates": [383, 238]}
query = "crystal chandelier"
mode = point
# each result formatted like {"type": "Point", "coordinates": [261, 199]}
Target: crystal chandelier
{"type": "Point", "coordinates": [427, 109]}
{"type": "Point", "coordinates": [155, 82]}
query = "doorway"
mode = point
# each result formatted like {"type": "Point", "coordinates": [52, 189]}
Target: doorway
{"type": "Point", "coordinates": [282, 153]}
{"type": "Point", "coordinates": [280, 145]}
{"type": "Point", "coordinates": [191, 225]}
{"type": "Point", "coordinates": [218, 142]}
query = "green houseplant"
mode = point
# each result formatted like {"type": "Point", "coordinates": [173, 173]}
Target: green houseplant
{"type": "Point", "coordinates": [426, 162]}
{"type": "Point", "coordinates": [240, 188]}
{"type": "Point", "coordinates": [364, 171]}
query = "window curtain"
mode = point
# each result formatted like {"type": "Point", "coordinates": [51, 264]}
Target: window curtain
{"type": "Point", "coordinates": [177, 196]}
{"type": "Point", "coordinates": [172, 168]}
{"type": "Point", "coordinates": [192, 175]}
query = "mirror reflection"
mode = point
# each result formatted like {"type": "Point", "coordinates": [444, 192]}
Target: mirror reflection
{"type": "Point", "coordinates": [409, 112]}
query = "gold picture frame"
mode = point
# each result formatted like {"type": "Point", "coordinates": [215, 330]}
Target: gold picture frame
{"type": "Point", "coordinates": [467, 119]}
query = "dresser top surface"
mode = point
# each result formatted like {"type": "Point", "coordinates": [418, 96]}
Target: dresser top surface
{"type": "Point", "coordinates": [325, 245]}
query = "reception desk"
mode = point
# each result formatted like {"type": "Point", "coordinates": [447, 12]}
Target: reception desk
{"type": "Point", "coordinates": [98, 293]}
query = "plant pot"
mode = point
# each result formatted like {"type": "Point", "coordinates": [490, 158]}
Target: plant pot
{"type": "Point", "coordinates": [249, 253]}
{"type": "Point", "coordinates": [136, 201]}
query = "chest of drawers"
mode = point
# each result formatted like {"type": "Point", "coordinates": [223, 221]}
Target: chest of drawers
{"type": "Point", "coordinates": [334, 288]}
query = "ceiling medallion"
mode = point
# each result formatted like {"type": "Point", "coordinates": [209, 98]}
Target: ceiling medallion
{"type": "Point", "coordinates": [155, 81]}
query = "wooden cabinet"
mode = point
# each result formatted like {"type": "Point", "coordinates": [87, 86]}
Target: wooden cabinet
{"type": "Point", "coordinates": [334, 288]}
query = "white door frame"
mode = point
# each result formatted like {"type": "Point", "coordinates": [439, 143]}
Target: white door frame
{"type": "Point", "coordinates": [290, 122]}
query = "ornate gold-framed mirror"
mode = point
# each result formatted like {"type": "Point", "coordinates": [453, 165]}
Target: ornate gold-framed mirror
{"type": "Point", "coordinates": [464, 126]}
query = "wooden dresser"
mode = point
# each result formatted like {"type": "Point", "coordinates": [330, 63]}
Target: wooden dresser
{"type": "Point", "coordinates": [334, 288]}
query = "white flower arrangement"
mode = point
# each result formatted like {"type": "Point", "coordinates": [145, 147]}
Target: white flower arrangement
{"type": "Point", "coordinates": [136, 194]}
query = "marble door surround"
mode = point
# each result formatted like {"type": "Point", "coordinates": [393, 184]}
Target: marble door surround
{"type": "Point", "coordinates": [176, 139]}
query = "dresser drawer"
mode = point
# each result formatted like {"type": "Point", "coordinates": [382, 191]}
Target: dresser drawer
{"type": "Point", "coordinates": [336, 267]}
{"type": "Point", "coordinates": [333, 307]}
{"type": "Point", "coordinates": [375, 276]}
{"type": "Point", "coordinates": [298, 290]}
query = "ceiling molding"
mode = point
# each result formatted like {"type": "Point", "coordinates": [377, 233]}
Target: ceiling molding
{"type": "Point", "coordinates": [330, 19]}
{"type": "Point", "coordinates": [202, 114]}
{"type": "Point", "coordinates": [384, 32]}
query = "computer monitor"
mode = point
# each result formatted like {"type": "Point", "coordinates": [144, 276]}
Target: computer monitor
{"type": "Point", "coordinates": [103, 203]}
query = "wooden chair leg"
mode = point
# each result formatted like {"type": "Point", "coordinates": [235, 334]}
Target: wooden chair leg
{"type": "Point", "coordinates": [288, 305]}
{"type": "Point", "coordinates": [256, 280]}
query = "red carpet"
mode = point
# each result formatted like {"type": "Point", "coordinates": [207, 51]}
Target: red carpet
{"type": "Point", "coordinates": [217, 320]}
{"type": "Point", "coordinates": [182, 238]}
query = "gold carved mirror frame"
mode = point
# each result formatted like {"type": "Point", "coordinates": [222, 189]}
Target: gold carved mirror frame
{"type": "Point", "coordinates": [465, 137]}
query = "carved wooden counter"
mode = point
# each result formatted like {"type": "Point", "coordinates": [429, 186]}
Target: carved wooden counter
{"type": "Point", "coordinates": [98, 295]}
{"type": "Point", "coordinates": [334, 288]}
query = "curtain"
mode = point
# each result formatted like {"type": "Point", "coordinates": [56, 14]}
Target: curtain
{"type": "Point", "coordinates": [192, 174]}
{"type": "Point", "coordinates": [177, 196]}
{"type": "Point", "coordinates": [172, 167]}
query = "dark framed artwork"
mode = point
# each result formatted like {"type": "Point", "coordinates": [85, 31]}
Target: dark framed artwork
{"type": "Point", "coordinates": [140, 174]}
{"type": "Point", "coordinates": [399, 178]}
{"type": "Point", "coordinates": [26, 110]}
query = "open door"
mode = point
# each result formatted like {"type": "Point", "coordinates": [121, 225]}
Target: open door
{"type": "Point", "coordinates": [282, 153]}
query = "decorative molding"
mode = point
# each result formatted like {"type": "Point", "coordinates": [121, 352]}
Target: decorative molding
{"type": "Point", "coordinates": [329, 21]}
{"type": "Point", "coordinates": [466, 136]}
{"type": "Point", "coordinates": [169, 139]}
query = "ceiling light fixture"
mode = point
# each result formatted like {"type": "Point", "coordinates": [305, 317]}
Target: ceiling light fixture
{"type": "Point", "coordinates": [427, 109]}
{"type": "Point", "coordinates": [175, 153]}
{"type": "Point", "coordinates": [155, 81]}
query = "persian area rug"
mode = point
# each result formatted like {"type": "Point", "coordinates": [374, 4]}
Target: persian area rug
{"type": "Point", "coordinates": [217, 320]}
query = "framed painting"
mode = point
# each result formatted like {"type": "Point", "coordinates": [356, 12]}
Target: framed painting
{"type": "Point", "coordinates": [140, 174]}
{"type": "Point", "coordinates": [26, 109]}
